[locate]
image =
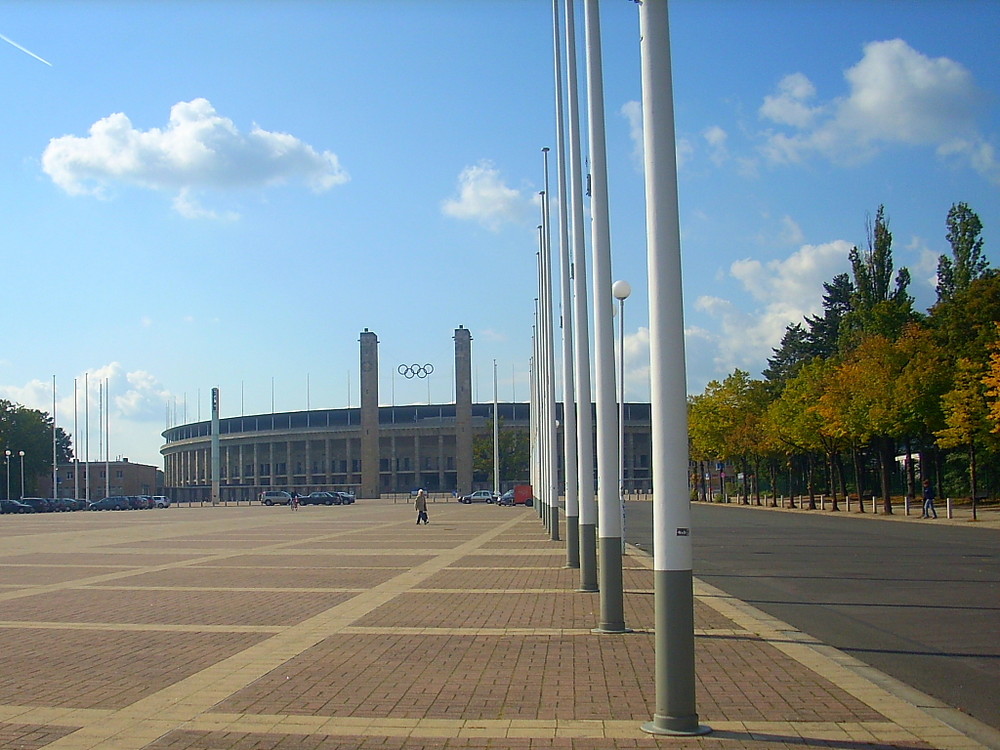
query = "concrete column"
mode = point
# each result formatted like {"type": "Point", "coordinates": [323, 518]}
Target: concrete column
{"type": "Point", "coordinates": [369, 416]}
{"type": "Point", "coordinates": [463, 408]}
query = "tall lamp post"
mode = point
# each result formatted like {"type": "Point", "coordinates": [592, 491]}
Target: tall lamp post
{"type": "Point", "coordinates": [621, 290]}
{"type": "Point", "coordinates": [21, 456]}
{"type": "Point", "coordinates": [6, 456]}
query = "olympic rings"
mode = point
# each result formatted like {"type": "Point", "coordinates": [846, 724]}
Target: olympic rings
{"type": "Point", "coordinates": [415, 371]}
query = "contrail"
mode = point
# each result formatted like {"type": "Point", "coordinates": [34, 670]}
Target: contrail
{"type": "Point", "coordinates": [26, 51]}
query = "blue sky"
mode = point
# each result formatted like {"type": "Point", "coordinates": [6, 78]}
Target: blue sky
{"type": "Point", "coordinates": [226, 194]}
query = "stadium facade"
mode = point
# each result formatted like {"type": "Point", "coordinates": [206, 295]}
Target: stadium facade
{"type": "Point", "coordinates": [370, 450]}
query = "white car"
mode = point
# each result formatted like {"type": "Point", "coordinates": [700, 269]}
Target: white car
{"type": "Point", "coordinates": [161, 501]}
{"type": "Point", "coordinates": [479, 496]}
{"type": "Point", "coordinates": [275, 497]}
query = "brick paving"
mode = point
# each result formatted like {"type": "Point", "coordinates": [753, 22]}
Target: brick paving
{"type": "Point", "coordinates": [252, 628]}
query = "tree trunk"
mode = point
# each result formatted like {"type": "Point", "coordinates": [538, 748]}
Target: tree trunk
{"type": "Point", "coordinates": [856, 459]}
{"type": "Point", "coordinates": [842, 479]}
{"type": "Point", "coordinates": [791, 492]}
{"type": "Point", "coordinates": [833, 483]}
{"type": "Point", "coordinates": [810, 471]}
{"type": "Point", "coordinates": [911, 491]}
{"type": "Point", "coordinates": [773, 470]}
{"type": "Point", "coordinates": [972, 476]}
{"type": "Point", "coordinates": [886, 459]}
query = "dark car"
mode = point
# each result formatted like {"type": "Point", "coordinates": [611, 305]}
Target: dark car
{"type": "Point", "coordinates": [346, 498]}
{"type": "Point", "coordinates": [15, 506]}
{"type": "Point", "coordinates": [506, 498]}
{"type": "Point", "coordinates": [320, 498]}
{"type": "Point", "coordinates": [39, 504]}
{"type": "Point", "coordinates": [62, 504]}
{"type": "Point", "coordinates": [114, 502]}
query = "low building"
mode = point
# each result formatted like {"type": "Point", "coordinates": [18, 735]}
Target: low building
{"type": "Point", "coordinates": [97, 479]}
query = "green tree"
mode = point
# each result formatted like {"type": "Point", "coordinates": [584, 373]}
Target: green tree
{"type": "Point", "coordinates": [967, 262]}
{"type": "Point", "coordinates": [799, 424]}
{"type": "Point", "coordinates": [966, 415]}
{"type": "Point", "coordinates": [965, 323]}
{"type": "Point", "coordinates": [879, 305]}
{"type": "Point", "coordinates": [992, 382]}
{"type": "Point", "coordinates": [824, 332]}
{"type": "Point", "coordinates": [791, 354]}
{"type": "Point", "coordinates": [514, 452]}
{"type": "Point", "coordinates": [30, 430]}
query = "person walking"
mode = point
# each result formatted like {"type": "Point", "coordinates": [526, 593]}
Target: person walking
{"type": "Point", "coordinates": [294, 502]}
{"type": "Point", "coordinates": [421, 506]}
{"type": "Point", "coordinates": [928, 500]}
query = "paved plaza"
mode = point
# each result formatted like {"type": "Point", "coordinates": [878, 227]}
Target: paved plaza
{"type": "Point", "coordinates": [257, 628]}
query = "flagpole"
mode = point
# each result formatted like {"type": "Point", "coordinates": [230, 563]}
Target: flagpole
{"type": "Point", "coordinates": [581, 329]}
{"type": "Point", "coordinates": [676, 712]}
{"type": "Point", "coordinates": [608, 499]}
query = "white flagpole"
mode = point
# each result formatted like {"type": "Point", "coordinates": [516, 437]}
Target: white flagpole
{"type": "Point", "coordinates": [581, 325]}
{"type": "Point", "coordinates": [608, 499]}
{"type": "Point", "coordinates": [672, 554]}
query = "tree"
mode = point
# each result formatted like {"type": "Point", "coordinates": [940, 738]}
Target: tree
{"type": "Point", "coordinates": [965, 323]}
{"type": "Point", "coordinates": [967, 263]}
{"type": "Point", "coordinates": [513, 448]}
{"type": "Point", "coordinates": [824, 332]}
{"type": "Point", "coordinates": [30, 430]}
{"type": "Point", "coordinates": [799, 425]}
{"type": "Point", "coordinates": [878, 305]}
{"type": "Point", "coordinates": [793, 352]}
{"type": "Point", "coordinates": [965, 414]}
{"type": "Point", "coordinates": [992, 382]}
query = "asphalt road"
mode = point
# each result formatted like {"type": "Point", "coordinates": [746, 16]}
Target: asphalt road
{"type": "Point", "coordinates": [919, 601]}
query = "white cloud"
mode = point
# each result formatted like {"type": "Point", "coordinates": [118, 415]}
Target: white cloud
{"type": "Point", "coordinates": [716, 138]}
{"type": "Point", "coordinates": [786, 291]}
{"type": "Point", "coordinates": [198, 149]}
{"type": "Point", "coordinates": [632, 111]}
{"type": "Point", "coordinates": [896, 96]}
{"type": "Point", "coordinates": [133, 402]}
{"type": "Point", "coordinates": [485, 198]}
{"type": "Point", "coordinates": [789, 106]}
{"type": "Point", "coordinates": [791, 232]}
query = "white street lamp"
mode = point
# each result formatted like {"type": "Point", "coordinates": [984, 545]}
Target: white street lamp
{"type": "Point", "coordinates": [621, 290]}
{"type": "Point", "coordinates": [21, 456]}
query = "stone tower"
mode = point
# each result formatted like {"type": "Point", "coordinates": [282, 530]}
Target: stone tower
{"type": "Point", "coordinates": [369, 415]}
{"type": "Point", "coordinates": [463, 409]}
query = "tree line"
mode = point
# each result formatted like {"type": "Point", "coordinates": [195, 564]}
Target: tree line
{"type": "Point", "coordinates": [870, 379]}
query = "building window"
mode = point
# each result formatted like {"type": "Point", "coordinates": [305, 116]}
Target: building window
{"type": "Point", "coordinates": [119, 474]}
{"type": "Point", "coordinates": [248, 470]}
{"type": "Point", "coordinates": [281, 468]}
{"type": "Point", "coordinates": [265, 469]}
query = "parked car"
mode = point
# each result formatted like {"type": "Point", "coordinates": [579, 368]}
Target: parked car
{"type": "Point", "coordinates": [275, 497]}
{"type": "Point", "coordinates": [39, 504]}
{"type": "Point", "coordinates": [112, 502]}
{"type": "Point", "coordinates": [479, 496]}
{"type": "Point", "coordinates": [161, 501]}
{"type": "Point", "coordinates": [346, 498]}
{"type": "Point", "coordinates": [15, 506]}
{"type": "Point", "coordinates": [506, 498]}
{"type": "Point", "coordinates": [320, 498]}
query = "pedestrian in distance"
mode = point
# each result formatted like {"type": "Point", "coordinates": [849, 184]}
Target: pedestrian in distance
{"type": "Point", "coordinates": [421, 506]}
{"type": "Point", "coordinates": [929, 500]}
{"type": "Point", "coordinates": [294, 502]}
